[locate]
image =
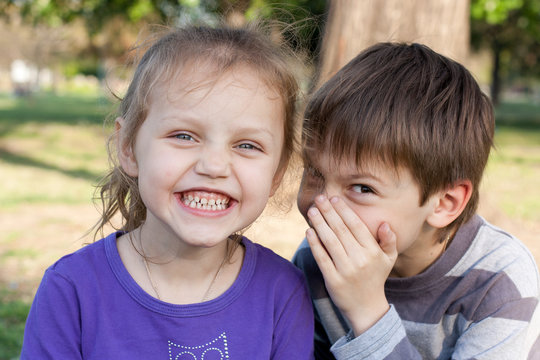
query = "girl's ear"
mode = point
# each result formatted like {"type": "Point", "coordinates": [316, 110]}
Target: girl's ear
{"type": "Point", "coordinates": [450, 204]}
{"type": "Point", "coordinates": [126, 157]}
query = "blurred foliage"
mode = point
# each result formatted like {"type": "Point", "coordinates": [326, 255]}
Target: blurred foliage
{"type": "Point", "coordinates": [510, 29]}
{"type": "Point", "coordinates": [112, 26]}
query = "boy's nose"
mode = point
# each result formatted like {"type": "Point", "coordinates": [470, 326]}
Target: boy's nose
{"type": "Point", "coordinates": [330, 190]}
{"type": "Point", "coordinates": [214, 163]}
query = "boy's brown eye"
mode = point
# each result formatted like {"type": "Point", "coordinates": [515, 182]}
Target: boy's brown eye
{"type": "Point", "coordinates": [360, 188]}
{"type": "Point", "coordinates": [312, 172]}
{"type": "Point", "coordinates": [312, 181]}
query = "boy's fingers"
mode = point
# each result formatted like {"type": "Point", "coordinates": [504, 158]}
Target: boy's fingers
{"type": "Point", "coordinates": [336, 223]}
{"type": "Point", "coordinates": [326, 235]}
{"type": "Point", "coordinates": [387, 241]}
{"type": "Point", "coordinates": [326, 265]}
{"type": "Point", "coordinates": [355, 225]}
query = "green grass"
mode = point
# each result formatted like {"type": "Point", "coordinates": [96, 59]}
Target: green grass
{"type": "Point", "coordinates": [58, 140]}
{"type": "Point", "coordinates": [52, 150]}
{"type": "Point", "coordinates": [514, 167]}
{"type": "Point", "coordinates": [13, 314]}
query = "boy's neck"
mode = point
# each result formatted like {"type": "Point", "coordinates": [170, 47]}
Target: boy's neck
{"type": "Point", "coordinates": [413, 262]}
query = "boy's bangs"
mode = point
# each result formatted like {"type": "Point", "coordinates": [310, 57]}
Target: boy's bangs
{"type": "Point", "coordinates": [351, 139]}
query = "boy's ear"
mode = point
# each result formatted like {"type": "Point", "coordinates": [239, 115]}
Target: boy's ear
{"type": "Point", "coordinates": [450, 203]}
{"type": "Point", "coordinates": [126, 157]}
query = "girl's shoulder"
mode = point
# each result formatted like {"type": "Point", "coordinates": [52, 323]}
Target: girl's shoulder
{"type": "Point", "coordinates": [90, 256]}
{"type": "Point", "coordinates": [270, 263]}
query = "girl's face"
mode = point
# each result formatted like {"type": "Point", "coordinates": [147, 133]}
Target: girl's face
{"type": "Point", "coordinates": [207, 156]}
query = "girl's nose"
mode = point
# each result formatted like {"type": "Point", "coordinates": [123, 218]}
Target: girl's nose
{"type": "Point", "coordinates": [214, 163]}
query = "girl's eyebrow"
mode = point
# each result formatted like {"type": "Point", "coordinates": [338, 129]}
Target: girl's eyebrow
{"type": "Point", "coordinates": [251, 129]}
{"type": "Point", "coordinates": [169, 120]}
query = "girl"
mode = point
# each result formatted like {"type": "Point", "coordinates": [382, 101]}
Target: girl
{"type": "Point", "coordinates": [203, 138]}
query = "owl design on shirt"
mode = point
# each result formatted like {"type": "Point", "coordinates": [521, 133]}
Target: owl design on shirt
{"type": "Point", "coordinates": [215, 349]}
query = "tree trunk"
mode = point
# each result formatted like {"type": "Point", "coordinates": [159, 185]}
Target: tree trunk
{"type": "Point", "coordinates": [495, 88]}
{"type": "Point", "coordinates": [353, 25]}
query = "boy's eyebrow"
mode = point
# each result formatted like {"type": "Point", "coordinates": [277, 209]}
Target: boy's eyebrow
{"type": "Point", "coordinates": [356, 176]}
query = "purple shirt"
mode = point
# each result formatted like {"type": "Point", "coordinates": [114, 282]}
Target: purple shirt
{"type": "Point", "coordinates": [89, 307]}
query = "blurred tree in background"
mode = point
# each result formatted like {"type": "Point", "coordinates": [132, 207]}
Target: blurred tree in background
{"type": "Point", "coordinates": [354, 25]}
{"type": "Point", "coordinates": [508, 29]}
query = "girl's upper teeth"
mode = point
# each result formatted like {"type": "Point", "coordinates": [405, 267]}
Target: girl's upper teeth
{"type": "Point", "coordinates": [206, 201]}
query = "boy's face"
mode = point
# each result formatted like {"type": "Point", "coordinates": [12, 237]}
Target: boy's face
{"type": "Point", "coordinates": [377, 193]}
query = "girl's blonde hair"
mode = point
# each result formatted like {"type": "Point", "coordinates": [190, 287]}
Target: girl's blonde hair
{"type": "Point", "coordinates": [220, 49]}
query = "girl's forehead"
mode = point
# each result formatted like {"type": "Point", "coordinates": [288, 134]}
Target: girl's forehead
{"type": "Point", "coordinates": [201, 79]}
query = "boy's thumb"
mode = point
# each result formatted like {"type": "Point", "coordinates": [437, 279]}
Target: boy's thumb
{"type": "Point", "coordinates": [387, 241]}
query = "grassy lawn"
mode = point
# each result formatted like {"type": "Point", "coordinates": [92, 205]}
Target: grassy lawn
{"type": "Point", "coordinates": [52, 153]}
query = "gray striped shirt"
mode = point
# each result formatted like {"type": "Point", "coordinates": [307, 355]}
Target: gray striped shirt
{"type": "Point", "coordinates": [477, 301]}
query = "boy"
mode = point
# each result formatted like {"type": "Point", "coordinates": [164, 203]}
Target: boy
{"type": "Point", "coordinates": [399, 264]}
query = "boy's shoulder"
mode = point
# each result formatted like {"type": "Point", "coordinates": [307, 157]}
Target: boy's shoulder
{"type": "Point", "coordinates": [494, 250]}
{"type": "Point", "coordinates": [491, 272]}
{"type": "Point", "coordinates": [303, 258]}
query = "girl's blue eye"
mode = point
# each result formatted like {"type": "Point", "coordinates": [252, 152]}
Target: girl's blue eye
{"type": "Point", "coordinates": [359, 188]}
{"type": "Point", "coordinates": [184, 137]}
{"type": "Point", "coordinates": [248, 146]}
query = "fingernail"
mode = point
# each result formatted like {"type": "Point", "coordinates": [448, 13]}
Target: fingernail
{"type": "Point", "coordinates": [313, 211]}
{"type": "Point", "coordinates": [334, 199]}
{"type": "Point", "coordinates": [320, 198]}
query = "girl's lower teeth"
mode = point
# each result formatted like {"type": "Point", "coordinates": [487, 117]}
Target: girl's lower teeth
{"type": "Point", "coordinates": [206, 206]}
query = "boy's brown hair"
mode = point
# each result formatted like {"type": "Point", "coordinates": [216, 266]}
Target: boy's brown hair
{"type": "Point", "coordinates": [409, 107]}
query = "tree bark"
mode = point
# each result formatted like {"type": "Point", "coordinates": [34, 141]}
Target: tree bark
{"type": "Point", "coordinates": [353, 25]}
{"type": "Point", "coordinates": [495, 87]}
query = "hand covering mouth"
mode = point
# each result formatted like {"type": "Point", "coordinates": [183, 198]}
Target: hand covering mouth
{"type": "Point", "coordinates": [205, 200]}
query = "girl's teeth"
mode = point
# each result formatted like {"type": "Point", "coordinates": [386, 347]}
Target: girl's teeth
{"type": "Point", "coordinates": [197, 202]}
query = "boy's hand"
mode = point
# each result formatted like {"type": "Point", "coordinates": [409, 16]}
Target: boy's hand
{"type": "Point", "coordinates": [355, 266]}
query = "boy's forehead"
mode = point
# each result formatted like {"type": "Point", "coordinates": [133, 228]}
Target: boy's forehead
{"type": "Point", "coordinates": [348, 165]}
{"type": "Point", "coordinates": [328, 161]}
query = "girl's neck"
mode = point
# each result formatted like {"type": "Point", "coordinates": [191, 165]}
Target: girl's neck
{"type": "Point", "coordinates": [181, 275]}
{"type": "Point", "coordinates": [178, 257]}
